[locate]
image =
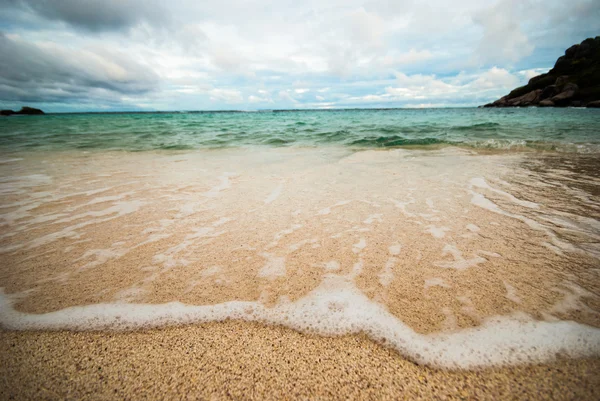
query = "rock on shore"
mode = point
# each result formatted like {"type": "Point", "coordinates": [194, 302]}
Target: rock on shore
{"type": "Point", "coordinates": [574, 81]}
{"type": "Point", "coordinates": [24, 111]}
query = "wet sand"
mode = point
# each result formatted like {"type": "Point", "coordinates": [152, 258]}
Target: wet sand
{"type": "Point", "coordinates": [237, 360]}
{"type": "Point", "coordinates": [432, 242]}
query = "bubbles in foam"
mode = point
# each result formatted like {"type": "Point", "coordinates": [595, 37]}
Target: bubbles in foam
{"type": "Point", "coordinates": [332, 265]}
{"type": "Point", "coordinates": [459, 262]}
{"type": "Point", "coordinates": [511, 293]}
{"type": "Point", "coordinates": [337, 307]}
{"type": "Point", "coordinates": [479, 182]}
{"type": "Point", "coordinates": [359, 246]}
{"type": "Point", "coordinates": [437, 232]}
{"type": "Point", "coordinates": [387, 275]}
{"type": "Point", "coordinates": [223, 185]}
{"type": "Point", "coordinates": [274, 266]}
{"type": "Point", "coordinates": [395, 249]}
{"type": "Point", "coordinates": [275, 194]}
{"type": "Point", "coordinates": [373, 218]}
{"type": "Point", "coordinates": [211, 271]}
{"type": "Point", "coordinates": [473, 228]}
{"type": "Point", "coordinates": [101, 256]}
{"type": "Point", "coordinates": [435, 281]}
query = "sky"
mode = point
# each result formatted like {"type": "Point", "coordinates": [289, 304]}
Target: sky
{"type": "Point", "coordinates": [117, 55]}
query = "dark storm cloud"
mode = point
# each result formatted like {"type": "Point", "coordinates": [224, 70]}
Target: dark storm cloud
{"type": "Point", "coordinates": [33, 73]}
{"type": "Point", "coordinates": [91, 15]}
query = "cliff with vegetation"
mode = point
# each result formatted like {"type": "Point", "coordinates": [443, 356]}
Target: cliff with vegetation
{"type": "Point", "coordinates": [574, 81]}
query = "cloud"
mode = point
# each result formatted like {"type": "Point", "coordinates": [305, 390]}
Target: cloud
{"type": "Point", "coordinates": [93, 15]}
{"type": "Point", "coordinates": [410, 57]}
{"type": "Point", "coordinates": [534, 72]}
{"type": "Point", "coordinates": [49, 72]}
{"type": "Point", "coordinates": [420, 90]}
{"type": "Point", "coordinates": [495, 78]}
{"type": "Point", "coordinates": [259, 99]}
{"type": "Point", "coordinates": [230, 96]}
{"type": "Point", "coordinates": [366, 28]}
{"type": "Point", "coordinates": [503, 38]}
{"type": "Point", "coordinates": [186, 54]}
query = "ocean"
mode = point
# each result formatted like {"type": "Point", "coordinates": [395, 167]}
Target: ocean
{"type": "Point", "coordinates": [460, 238]}
{"type": "Point", "coordinates": [562, 130]}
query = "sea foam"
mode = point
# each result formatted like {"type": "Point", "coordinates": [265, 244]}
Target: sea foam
{"type": "Point", "coordinates": [337, 307]}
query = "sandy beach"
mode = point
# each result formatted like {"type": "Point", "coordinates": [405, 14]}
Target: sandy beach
{"type": "Point", "coordinates": [397, 274]}
{"type": "Point", "coordinates": [299, 200]}
{"type": "Point", "coordinates": [236, 360]}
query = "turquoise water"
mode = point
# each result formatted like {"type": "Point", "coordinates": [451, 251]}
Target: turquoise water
{"type": "Point", "coordinates": [565, 130]}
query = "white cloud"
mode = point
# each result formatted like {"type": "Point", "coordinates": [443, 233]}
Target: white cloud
{"type": "Point", "coordinates": [226, 95]}
{"type": "Point", "coordinates": [258, 99]}
{"type": "Point", "coordinates": [534, 72]}
{"type": "Point", "coordinates": [210, 54]}
{"type": "Point", "coordinates": [410, 57]}
{"type": "Point", "coordinates": [366, 28]}
{"type": "Point", "coordinates": [503, 38]}
{"type": "Point", "coordinates": [495, 78]}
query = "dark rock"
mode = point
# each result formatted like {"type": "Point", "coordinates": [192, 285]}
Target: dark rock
{"type": "Point", "coordinates": [576, 103]}
{"type": "Point", "coordinates": [548, 92]}
{"type": "Point", "coordinates": [29, 111]}
{"type": "Point", "coordinates": [570, 52]}
{"type": "Point", "coordinates": [563, 98]}
{"type": "Point", "coordinates": [24, 111]}
{"type": "Point", "coordinates": [561, 81]}
{"type": "Point", "coordinates": [527, 99]}
{"type": "Point", "coordinates": [575, 79]}
{"type": "Point", "coordinates": [595, 104]}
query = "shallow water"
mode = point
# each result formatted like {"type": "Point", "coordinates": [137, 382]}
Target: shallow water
{"type": "Point", "coordinates": [454, 256]}
{"type": "Point", "coordinates": [565, 130]}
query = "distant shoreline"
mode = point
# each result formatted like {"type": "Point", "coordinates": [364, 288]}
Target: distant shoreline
{"type": "Point", "coordinates": [287, 110]}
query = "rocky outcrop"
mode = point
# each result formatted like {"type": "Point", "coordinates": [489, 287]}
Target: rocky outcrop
{"type": "Point", "coordinates": [574, 81]}
{"type": "Point", "coordinates": [24, 111]}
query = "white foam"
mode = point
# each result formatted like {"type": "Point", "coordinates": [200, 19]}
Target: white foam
{"type": "Point", "coordinates": [387, 274]}
{"type": "Point", "coordinates": [373, 218]}
{"type": "Point", "coordinates": [101, 256]}
{"type": "Point", "coordinates": [572, 299]}
{"type": "Point", "coordinates": [211, 271]}
{"type": "Point", "coordinates": [395, 249]}
{"type": "Point", "coordinates": [336, 307]}
{"type": "Point", "coordinates": [437, 232]}
{"type": "Point", "coordinates": [223, 185]}
{"type": "Point", "coordinates": [435, 281]}
{"type": "Point", "coordinates": [274, 266]}
{"type": "Point", "coordinates": [359, 246]}
{"type": "Point", "coordinates": [459, 262]}
{"type": "Point", "coordinates": [479, 182]}
{"type": "Point", "coordinates": [473, 228]}
{"type": "Point", "coordinates": [402, 206]}
{"type": "Point", "coordinates": [6, 161]}
{"type": "Point", "coordinates": [511, 293]}
{"type": "Point", "coordinates": [275, 194]}
{"type": "Point", "coordinates": [481, 201]}
{"type": "Point", "coordinates": [332, 265]}
{"type": "Point", "coordinates": [327, 210]}
{"type": "Point", "coordinates": [449, 322]}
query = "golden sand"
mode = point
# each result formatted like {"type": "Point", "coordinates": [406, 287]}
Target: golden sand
{"type": "Point", "coordinates": [236, 360]}
{"type": "Point", "coordinates": [443, 240]}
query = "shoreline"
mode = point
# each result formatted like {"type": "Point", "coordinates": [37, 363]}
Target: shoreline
{"type": "Point", "coordinates": [242, 360]}
{"type": "Point", "coordinates": [386, 243]}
